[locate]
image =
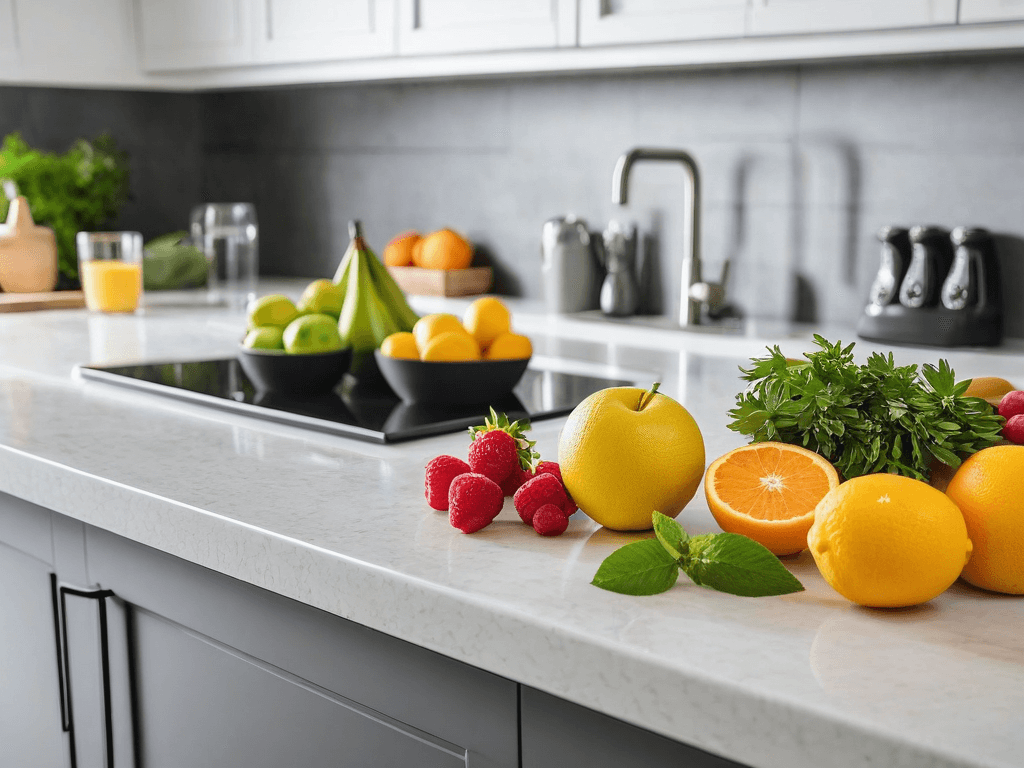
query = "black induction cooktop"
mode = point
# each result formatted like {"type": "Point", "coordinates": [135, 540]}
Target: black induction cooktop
{"type": "Point", "coordinates": [373, 414]}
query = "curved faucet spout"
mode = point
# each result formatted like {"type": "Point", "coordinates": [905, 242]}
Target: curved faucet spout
{"type": "Point", "coordinates": [689, 308]}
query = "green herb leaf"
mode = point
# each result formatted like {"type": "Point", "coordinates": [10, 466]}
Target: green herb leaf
{"type": "Point", "coordinates": [671, 535]}
{"type": "Point", "coordinates": [640, 568]}
{"type": "Point", "coordinates": [735, 564]}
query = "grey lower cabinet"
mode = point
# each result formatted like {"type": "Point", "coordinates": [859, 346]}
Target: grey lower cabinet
{"type": "Point", "coordinates": [171, 665]}
{"type": "Point", "coordinates": [224, 674]}
{"type": "Point", "coordinates": [30, 717]}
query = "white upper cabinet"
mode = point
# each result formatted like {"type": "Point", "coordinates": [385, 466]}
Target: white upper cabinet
{"type": "Point", "coordinates": [783, 17]}
{"type": "Point", "coordinates": [611, 22]}
{"type": "Point", "coordinates": [195, 34]}
{"type": "Point", "coordinates": [324, 30]}
{"type": "Point", "coordinates": [459, 26]}
{"type": "Point", "coordinates": [9, 64]}
{"type": "Point", "coordinates": [991, 10]}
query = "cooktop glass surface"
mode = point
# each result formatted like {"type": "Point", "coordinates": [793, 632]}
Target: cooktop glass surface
{"type": "Point", "coordinates": [376, 415]}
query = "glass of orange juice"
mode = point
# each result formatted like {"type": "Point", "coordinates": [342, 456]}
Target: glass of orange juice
{"type": "Point", "coordinates": [110, 267]}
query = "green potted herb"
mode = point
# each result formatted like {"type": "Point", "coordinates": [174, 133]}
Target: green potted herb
{"type": "Point", "coordinates": [82, 189]}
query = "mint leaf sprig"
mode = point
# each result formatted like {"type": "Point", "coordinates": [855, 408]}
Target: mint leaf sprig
{"type": "Point", "coordinates": [727, 562]}
{"type": "Point", "coordinates": [877, 417]}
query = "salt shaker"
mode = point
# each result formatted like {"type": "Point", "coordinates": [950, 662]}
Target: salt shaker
{"type": "Point", "coordinates": [620, 296]}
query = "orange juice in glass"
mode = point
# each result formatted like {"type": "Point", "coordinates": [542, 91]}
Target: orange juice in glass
{"type": "Point", "coordinates": [110, 267]}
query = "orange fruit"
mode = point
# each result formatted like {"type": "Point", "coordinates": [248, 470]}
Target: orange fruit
{"type": "Point", "coordinates": [624, 454]}
{"type": "Point", "coordinates": [398, 253]}
{"type": "Point", "coordinates": [768, 492]}
{"type": "Point", "coordinates": [509, 346]}
{"type": "Point", "coordinates": [451, 347]}
{"type": "Point", "coordinates": [987, 488]}
{"type": "Point", "coordinates": [990, 388]}
{"type": "Point", "coordinates": [400, 345]}
{"type": "Point", "coordinates": [486, 319]}
{"type": "Point", "coordinates": [443, 249]}
{"type": "Point", "coordinates": [888, 541]}
{"type": "Point", "coordinates": [429, 326]}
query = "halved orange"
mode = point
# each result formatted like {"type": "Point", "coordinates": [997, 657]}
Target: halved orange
{"type": "Point", "coordinates": [768, 491]}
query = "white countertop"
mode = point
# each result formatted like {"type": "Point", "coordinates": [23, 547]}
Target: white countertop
{"type": "Point", "coordinates": [801, 680]}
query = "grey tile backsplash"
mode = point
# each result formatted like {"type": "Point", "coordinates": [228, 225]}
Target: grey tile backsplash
{"type": "Point", "coordinates": [800, 166]}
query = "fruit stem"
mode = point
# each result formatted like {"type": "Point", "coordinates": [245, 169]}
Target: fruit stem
{"type": "Point", "coordinates": [647, 396]}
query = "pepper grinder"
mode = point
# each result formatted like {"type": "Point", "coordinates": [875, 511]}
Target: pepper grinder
{"type": "Point", "coordinates": [620, 296]}
{"type": "Point", "coordinates": [974, 277]}
{"type": "Point", "coordinates": [931, 256]}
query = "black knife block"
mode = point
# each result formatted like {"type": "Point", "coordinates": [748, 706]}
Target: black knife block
{"type": "Point", "coordinates": [933, 326]}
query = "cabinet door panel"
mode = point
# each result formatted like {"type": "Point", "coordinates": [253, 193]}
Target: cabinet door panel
{"type": "Point", "coordinates": [311, 30]}
{"type": "Point", "coordinates": [455, 26]}
{"type": "Point", "coordinates": [8, 40]}
{"type": "Point", "coordinates": [195, 34]}
{"type": "Point", "coordinates": [557, 733]}
{"type": "Point", "coordinates": [30, 727]}
{"type": "Point", "coordinates": [991, 10]}
{"type": "Point", "coordinates": [431, 693]}
{"type": "Point", "coordinates": [201, 704]}
{"type": "Point", "coordinates": [780, 17]}
{"type": "Point", "coordinates": [612, 22]}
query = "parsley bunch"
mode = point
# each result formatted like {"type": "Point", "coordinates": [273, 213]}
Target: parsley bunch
{"type": "Point", "coordinates": [878, 417]}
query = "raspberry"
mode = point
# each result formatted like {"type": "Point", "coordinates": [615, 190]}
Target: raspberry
{"type": "Point", "coordinates": [549, 520]}
{"type": "Point", "coordinates": [438, 477]}
{"type": "Point", "coordinates": [535, 493]}
{"type": "Point", "coordinates": [1011, 405]}
{"type": "Point", "coordinates": [552, 468]}
{"type": "Point", "coordinates": [1013, 430]}
{"type": "Point", "coordinates": [494, 454]}
{"type": "Point", "coordinates": [513, 482]}
{"type": "Point", "coordinates": [474, 500]}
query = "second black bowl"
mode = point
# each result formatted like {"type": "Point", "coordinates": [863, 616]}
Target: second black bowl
{"type": "Point", "coordinates": [296, 376]}
{"type": "Point", "coordinates": [472, 381]}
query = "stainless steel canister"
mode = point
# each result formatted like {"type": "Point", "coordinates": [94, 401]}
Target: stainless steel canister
{"type": "Point", "coordinates": [570, 272]}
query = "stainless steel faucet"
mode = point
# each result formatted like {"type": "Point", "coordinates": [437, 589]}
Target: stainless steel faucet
{"type": "Point", "coordinates": [693, 291]}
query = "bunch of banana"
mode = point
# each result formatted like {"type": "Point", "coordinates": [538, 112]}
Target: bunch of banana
{"type": "Point", "coordinates": [374, 306]}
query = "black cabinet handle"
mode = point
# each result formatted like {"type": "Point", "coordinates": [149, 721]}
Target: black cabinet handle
{"type": "Point", "coordinates": [60, 626]}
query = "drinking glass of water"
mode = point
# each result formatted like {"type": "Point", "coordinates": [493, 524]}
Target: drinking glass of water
{"type": "Point", "coordinates": [227, 233]}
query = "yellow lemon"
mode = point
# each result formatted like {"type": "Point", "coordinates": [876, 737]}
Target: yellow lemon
{"type": "Point", "coordinates": [429, 326]}
{"type": "Point", "coordinates": [989, 388]}
{"type": "Point", "coordinates": [486, 319]}
{"type": "Point", "coordinates": [987, 488]}
{"type": "Point", "coordinates": [509, 346]}
{"type": "Point", "coordinates": [400, 345]}
{"type": "Point", "coordinates": [625, 453]}
{"type": "Point", "coordinates": [888, 541]}
{"type": "Point", "coordinates": [452, 346]}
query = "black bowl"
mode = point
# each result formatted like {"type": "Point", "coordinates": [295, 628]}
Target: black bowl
{"type": "Point", "coordinates": [472, 381]}
{"type": "Point", "coordinates": [296, 376]}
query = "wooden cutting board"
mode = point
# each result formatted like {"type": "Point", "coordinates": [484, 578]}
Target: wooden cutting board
{"type": "Point", "coordinates": [25, 302]}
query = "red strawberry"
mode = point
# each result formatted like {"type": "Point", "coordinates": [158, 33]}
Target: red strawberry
{"type": "Point", "coordinates": [438, 477]}
{"type": "Point", "coordinates": [513, 482]}
{"type": "Point", "coordinates": [535, 493]}
{"type": "Point", "coordinates": [570, 506]}
{"type": "Point", "coordinates": [494, 454]}
{"type": "Point", "coordinates": [1011, 405]}
{"type": "Point", "coordinates": [549, 520]}
{"type": "Point", "coordinates": [474, 500]}
{"type": "Point", "coordinates": [1013, 430]}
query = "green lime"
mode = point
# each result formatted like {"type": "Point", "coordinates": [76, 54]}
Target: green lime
{"type": "Point", "coordinates": [321, 297]}
{"type": "Point", "coordinates": [312, 333]}
{"type": "Point", "coordinates": [264, 337]}
{"type": "Point", "coordinates": [274, 309]}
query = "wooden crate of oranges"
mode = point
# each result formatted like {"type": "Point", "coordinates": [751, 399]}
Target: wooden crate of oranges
{"type": "Point", "coordinates": [437, 264]}
{"type": "Point", "coordinates": [484, 333]}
